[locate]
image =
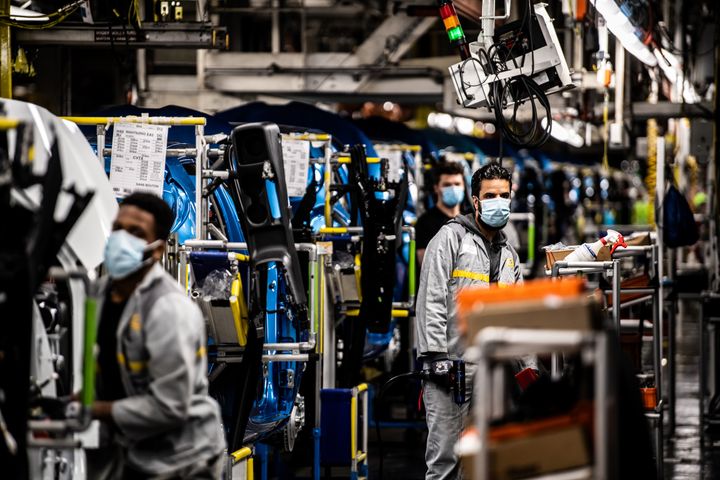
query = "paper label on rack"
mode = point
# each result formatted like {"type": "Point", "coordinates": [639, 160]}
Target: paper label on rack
{"type": "Point", "coordinates": [296, 159]}
{"type": "Point", "coordinates": [138, 156]}
{"type": "Point", "coordinates": [395, 163]}
{"type": "Point", "coordinates": [324, 248]}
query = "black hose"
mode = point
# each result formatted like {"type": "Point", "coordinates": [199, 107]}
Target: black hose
{"type": "Point", "coordinates": [378, 397]}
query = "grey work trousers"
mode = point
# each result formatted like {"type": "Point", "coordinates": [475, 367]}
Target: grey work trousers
{"type": "Point", "coordinates": [445, 421]}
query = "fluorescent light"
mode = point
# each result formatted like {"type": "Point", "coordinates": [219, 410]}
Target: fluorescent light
{"type": "Point", "coordinates": [18, 14]}
{"type": "Point", "coordinates": [565, 134]}
{"type": "Point", "coordinates": [624, 31]}
{"type": "Point", "coordinates": [464, 126]}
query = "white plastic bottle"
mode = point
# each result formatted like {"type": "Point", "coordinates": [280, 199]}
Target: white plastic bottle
{"type": "Point", "coordinates": [587, 252]}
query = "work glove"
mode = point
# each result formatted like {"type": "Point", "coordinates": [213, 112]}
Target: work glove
{"type": "Point", "coordinates": [614, 239]}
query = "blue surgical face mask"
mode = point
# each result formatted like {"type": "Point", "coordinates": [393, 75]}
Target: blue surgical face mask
{"type": "Point", "coordinates": [125, 254]}
{"type": "Point", "coordinates": [495, 212]}
{"type": "Point", "coordinates": [452, 195]}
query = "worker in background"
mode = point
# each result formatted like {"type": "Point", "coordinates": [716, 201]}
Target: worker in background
{"type": "Point", "coordinates": [449, 188]}
{"type": "Point", "coordinates": [152, 390]}
{"type": "Point", "coordinates": [471, 250]}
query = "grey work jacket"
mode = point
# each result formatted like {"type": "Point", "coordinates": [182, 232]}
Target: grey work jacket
{"type": "Point", "coordinates": [455, 258]}
{"type": "Point", "coordinates": [167, 420]}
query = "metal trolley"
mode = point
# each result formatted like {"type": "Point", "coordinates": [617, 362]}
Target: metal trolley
{"type": "Point", "coordinates": [494, 345]}
{"type": "Point", "coordinates": [655, 294]}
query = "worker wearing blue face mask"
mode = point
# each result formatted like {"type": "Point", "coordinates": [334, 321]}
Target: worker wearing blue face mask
{"type": "Point", "coordinates": [470, 250]}
{"type": "Point", "coordinates": [152, 390]}
{"type": "Point", "coordinates": [449, 190]}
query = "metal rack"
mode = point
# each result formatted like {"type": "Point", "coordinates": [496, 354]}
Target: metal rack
{"type": "Point", "coordinates": [612, 271]}
{"type": "Point", "coordinates": [200, 152]}
{"type": "Point", "coordinates": [496, 345]}
{"type": "Point", "coordinates": [241, 460]}
{"type": "Point", "coordinates": [709, 329]}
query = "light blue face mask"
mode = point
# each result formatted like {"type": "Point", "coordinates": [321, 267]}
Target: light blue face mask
{"type": "Point", "coordinates": [495, 212]}
{"type": "Point", "coordinates": [452, 195]}
{"type": "Point", "coordinates": [124, 254]}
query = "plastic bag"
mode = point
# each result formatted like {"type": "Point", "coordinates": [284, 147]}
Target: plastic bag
{"type": "Point", "coordinates": [679, 227]}
{"type": "Point", "coordinates": [216, 285]}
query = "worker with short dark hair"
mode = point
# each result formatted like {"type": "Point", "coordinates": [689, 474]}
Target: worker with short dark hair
{"type": "Point", "coordinates": [152, 389]}
{"type": "Point", "coordinates": [449, 189]}
{"type": "Point", "coordinates": [470, 250]}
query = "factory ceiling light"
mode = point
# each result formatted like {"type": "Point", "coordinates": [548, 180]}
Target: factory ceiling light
{"type": "Point", "coordinates": [624, 31]}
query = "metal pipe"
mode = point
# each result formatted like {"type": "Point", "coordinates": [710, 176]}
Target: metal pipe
{"type": "Point", "coordinates": [201, 154]}
{"type": "Point", "coordinates": [635, 290]}
{"type": "Point", "coordinates": [217, 233]}
{"type": "Point", "coordinates": [343, 159]}
{"type": "Point", "coordinates": [573, 271]}
{"type": "Point", "coordinates": [328, 193]}
{"type": "Point", "coordinates": [601, 265]}
{"type": "Point", "coordinates": [616, 293]}
{"type": "Point", "coordinates": [224, 174]}
{"type": "Point", "coordinates": [57, 444]}
{"type": "Point", "coordinates": [170, 152]}
{"type": "Point", "coordinates": [300, 346]}
{"type": "Point", "coordinates": [286, 357]}
{"type": "Point", "coordinates": [216, 244]}
{"type": "Point", "coordinates": [630, 303]}
{"type": "Point", "coordinates": [619, 83]}
{"type": "Point", "coordinates": [100, 144]}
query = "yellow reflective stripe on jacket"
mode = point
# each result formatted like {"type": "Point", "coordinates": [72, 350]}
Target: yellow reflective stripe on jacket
{"type": "Point", "coordinates": [134, 367]}
{"type": "Point", "coordinates": [483, 277]}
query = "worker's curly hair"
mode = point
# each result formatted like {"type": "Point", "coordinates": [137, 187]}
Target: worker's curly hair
{"type": "Point", "coordinates": [491, 171]}
{"type": "Point", "coordinates": [160, 210]}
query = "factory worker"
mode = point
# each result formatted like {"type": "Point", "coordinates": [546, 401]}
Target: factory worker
{"type": "Point", "coordinates": [449, 188]}
{"type": "Point", "coordinates": [471, 250]}
{"type": "Point", "coordinates": [152, 390]}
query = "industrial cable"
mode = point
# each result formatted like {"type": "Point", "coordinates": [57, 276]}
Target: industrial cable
{"type": "Point", "coordinates": [54, 18]}
{"type": "Point", "coordinates": [515, 91]}
{"type": "Point", "coordinates": [378, 397]}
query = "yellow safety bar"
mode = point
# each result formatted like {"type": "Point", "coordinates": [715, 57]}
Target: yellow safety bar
{"type": "Point", "coordinates": [353, 426]}
{"type": "Point", "coordinates": [241, 257]}
{"type": "Point", "coordinates": [311, 137]}
{"type": "Point", "coordinates": [239, 310]}
{"type": "Point", "coordinates": [358, 276]}
{"type": "Point", "coordinates": [333, 230]}
{"type": "Point", "coordinates": [179, 121]}
{"type": "Point", "coordinates": [8, 123]}
{"type": "Point", "coordinates": [241, 454]}
{"type": "Point", "coordinates": [245, 453]}
{"type": "Point", "coordinates": [404, 148]}
{"type": "Point", "coordinates": [395, 313]}
{"type": "Point", "coordinates": [356, 455]}
{"type": "Point", "coordinates": [346, 160]}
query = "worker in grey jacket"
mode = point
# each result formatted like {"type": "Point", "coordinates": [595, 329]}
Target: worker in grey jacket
{"type": "Point", "coordinates": [152, 387]}
{"type": "Point", "coordinates": [468, 251]}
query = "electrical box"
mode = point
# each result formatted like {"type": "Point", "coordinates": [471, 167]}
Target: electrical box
{"type": "Point", "coordinates": [533, 49]}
